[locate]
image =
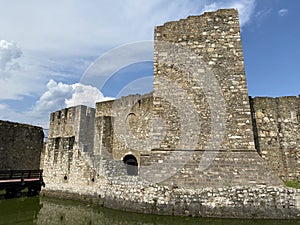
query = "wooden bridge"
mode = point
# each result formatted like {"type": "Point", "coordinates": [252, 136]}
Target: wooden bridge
{"type": "Point", "coordinates": [14, 181]}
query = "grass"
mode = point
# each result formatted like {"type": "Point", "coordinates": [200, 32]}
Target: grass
{"type": "Point", "coordinates": [292, 184]}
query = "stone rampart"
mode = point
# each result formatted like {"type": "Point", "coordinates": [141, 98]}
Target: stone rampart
{"type": "Point", "coordinates": [277, 133]}
{"type": "Point", "coordinates": [70, 125]}
{"type": "Point", "coordinates": [20, 146]}
{"type": "Point", "coordinates": [208, 168]}
{"type": "Point", "coordinates": [112, 188]}
{"type": "Point", "coordinates": [124, 126]}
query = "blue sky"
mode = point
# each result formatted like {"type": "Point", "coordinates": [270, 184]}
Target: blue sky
{"type": "Point", "coordinates": [47, 49]}
{"type": "Point", "coordinates": [272, 48]}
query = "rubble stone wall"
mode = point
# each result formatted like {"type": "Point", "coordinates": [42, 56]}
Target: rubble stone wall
{"type": "Point", "coordinates": [20, 146]}
{"type": "Point", "coordinates": [277, 133]}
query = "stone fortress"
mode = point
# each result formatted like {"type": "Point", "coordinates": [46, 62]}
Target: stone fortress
{"type": "Point", "coordinates": [211, 151]}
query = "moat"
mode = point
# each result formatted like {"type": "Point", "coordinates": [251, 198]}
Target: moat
{"type": "Point", "coordinates": [42, 211]}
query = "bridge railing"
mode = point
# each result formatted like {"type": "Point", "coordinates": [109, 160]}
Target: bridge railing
{"type": "Point", "coordinates": [20, 174]}
{"type": "Point", "coordinates": [16, 180]}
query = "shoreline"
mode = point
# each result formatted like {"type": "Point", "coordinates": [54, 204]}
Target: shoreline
{"type": "Point", "coordinates": [184, 202]}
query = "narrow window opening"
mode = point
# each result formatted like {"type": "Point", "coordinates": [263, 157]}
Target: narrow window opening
{"type": "Point", "coordinates": [71, 142]}
{"type": "Point", "coordinates": [56, 144]}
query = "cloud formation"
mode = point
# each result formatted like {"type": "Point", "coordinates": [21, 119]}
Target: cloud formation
{"type": "Point", "coordinates": [57, 40]}
{"type": "Point", "coordinates": [54, 98]}
{"type": "Point", "coordinates": [59, 96]}
{"type": "Point", "coordinates": [283, 12]}
{"type": "Point", "coordinates": [75, 28]}
{"type": "Point", "coordinates": [85, 95]}
{"type": "Point", "coordinates": [8, 53]}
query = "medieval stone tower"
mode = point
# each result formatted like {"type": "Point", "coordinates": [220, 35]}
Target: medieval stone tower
{"type": "Point", "coordinates": [194, 130]}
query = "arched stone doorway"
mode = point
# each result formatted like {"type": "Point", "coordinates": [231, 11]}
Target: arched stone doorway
{"type": "Point", "coordinates": [131, 165]}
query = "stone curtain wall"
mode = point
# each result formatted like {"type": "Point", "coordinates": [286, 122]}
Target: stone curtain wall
{"type": "Point", "coordinates": [123, 126]}
{"type": "Point", "coordinates": [110, 187]}
{"type": "Point", "coordinates": [277, 132]}
{"type": "Point", "coordinates": [227, 169]}
{"type": "Point", "coordinates": [131, 194]}
{"type": "Point", "coordinates": [214, 40]}
{"type": "Point", "coordinates": [20, 146]}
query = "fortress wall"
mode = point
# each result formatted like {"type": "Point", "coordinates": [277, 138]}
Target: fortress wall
{"type": "Point", "coordinates": [277, 133]}
{"type": "Point", "coordinates": [68, 170]}
{"type": "Point", "coordinates": [75, 124]}
{"type": "Point", "coordinates": [211, 203]}
{"type": "Point", "coordinates": [124, 126]}
{"type": "Point", "coordinates": [62, 123]}
{"type": "Point", "coordinates": [213, 41]}
{"type": "Point", "coordinates": [133, 194]}
{"type": "Point", "coordinates": [208, 169]}
{"type": "Point", "coordinates": [232, 182]}
{"type": "Point", "coordinates": [20, 146]}
{"type": "Point", "coordinates": [71, 137]}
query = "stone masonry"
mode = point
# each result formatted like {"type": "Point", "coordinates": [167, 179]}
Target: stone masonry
{"type": "Point", "coordinates": [277, 133]}
{"type": "Point", "coordinates": [197, 144]}
{"type": "Point", "coordinates": [192, 53]}
{"type": "Point", "coordinates": [21, 146]}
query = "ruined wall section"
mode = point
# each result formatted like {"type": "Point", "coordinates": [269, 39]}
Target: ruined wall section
{"type": "Point", "coordinates": [20, 146]}
{"type": "Point", "coordinates": [123, 126]}
{"type": "Point", "coordinates": [214, 41]}
{"type": "Point", "coordinates": [276, 129]}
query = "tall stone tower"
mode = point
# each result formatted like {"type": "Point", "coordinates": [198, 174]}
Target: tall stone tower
{"type": "Point", "coordinates": [202, 130]}
{"type": "Point", "coordinates": [199, 67]}
{"type": "Point", "coordinates": [195, 130]}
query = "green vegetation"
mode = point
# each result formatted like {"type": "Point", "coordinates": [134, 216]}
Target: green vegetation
{"type": "Point", "coordinates": [292, 184]}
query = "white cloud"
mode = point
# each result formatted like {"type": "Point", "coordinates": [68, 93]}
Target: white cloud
{"type": "Point", "coordinates": [20, 74]}
{"type": "Point", "coordinates": [2, 107]}
{"type": "Point", "coordinates": [85, 95]}
{"type": "Point", "coordinates": [283, 12]}
{"type": "Point", "coordinates": [54, 98]}
{"type": "Point", "coordinates": [68, 27]}
{"type": "Point", "coordinates": [8, 53]}
{"type": "Point", "coordinates": [58, 39]}
{"type": "Point", "coordinates": [59, 96]}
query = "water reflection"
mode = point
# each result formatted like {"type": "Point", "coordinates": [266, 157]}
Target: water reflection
{"type": "Point", "coordinates": [19, 211]}
{"type": "Point", "coordinates": [46, 211]}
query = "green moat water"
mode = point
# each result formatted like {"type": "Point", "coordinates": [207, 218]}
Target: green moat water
{"type": "Point", "coordinates": [48, 211]}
